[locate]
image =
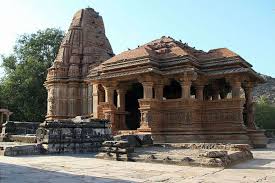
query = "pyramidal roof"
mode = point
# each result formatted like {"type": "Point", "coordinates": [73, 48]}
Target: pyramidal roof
{"type": "Point", "coordinates": [167, 47]}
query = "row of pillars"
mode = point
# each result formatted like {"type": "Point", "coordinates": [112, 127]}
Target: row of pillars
{"type": "Point", "coordinates": [150, 90]}
{"type": "Point", "coordinates": [158, 89]}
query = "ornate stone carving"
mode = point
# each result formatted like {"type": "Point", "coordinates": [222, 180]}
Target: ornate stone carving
{"type": "Point", "coordinates": [84, 44]}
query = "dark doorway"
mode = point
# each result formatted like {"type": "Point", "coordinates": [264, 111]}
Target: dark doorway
{"type": "Point", "coordinates": [131, 105]}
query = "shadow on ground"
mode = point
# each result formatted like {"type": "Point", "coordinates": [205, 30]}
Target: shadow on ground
{"type": "Point", "coordinates": [10, 173]}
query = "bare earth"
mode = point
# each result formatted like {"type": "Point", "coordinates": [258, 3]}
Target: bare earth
{"type": "Point", "coordinates": [85, 168]}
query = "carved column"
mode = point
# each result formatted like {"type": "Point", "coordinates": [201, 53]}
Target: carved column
{"type": "Point", "coordinates": [250, 106]}
{"type": "Point", "coordinates": [121, 113]}
{"type": "Point", "coordinates": [147, 90]}
{"type": "Point", "coordinates": [121, 99]}
{"type": "Point", "coordinates": [199, 92]}
{"type": "Point", "coordinates": [109, 109]}
{"type": "Point", "coordinates": [185, 87]}
{"type": "Point", "coordinates": [90, 100]}
{"type": "Point", "coordinates": [236, 88]}
{"type": "Point", "coordinates": [159, 91]}
{"type": "Point", "coordinates": [109, 94]}
{"type": "Point", "coordinates": [95, 100]}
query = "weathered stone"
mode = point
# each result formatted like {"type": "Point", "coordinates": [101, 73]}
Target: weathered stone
{"type": "Point", "coordinates": [187, 159]}
{"type": "Point", "coordinates": [239, 147]}
{"type": "Point", "coordinates": [121, 144]}
{"type": "Point", "coordinates": [117, 150]}
{"type": "Point", "coordinates": [151, 157]}
{"type": "Point", "coordinates": [60, 137]}
{"type": "Point", "coordinates": [19, 150]}
{"type": "Point", "coordinates": [19, 128]}
{"type": "Point", "coordinates": [133, 140]}
{"type": "Point", "coordinates": [214, 154]}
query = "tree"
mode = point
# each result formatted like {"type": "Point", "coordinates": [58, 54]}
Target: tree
{"type": "Point", "coordinates": [265, 114]}
{"type": "Point", "coordinates": [21, 88]}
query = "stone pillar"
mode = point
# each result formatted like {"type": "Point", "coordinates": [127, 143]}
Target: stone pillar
{"type": "Point", "coordinates": [236, 88]}
{"type": "Point", "coordinates": [121, 114]}
{"type": "Point", "coordinates": [109, 94]}
{"type": "Point", "coordinates": [147, 90]}
{"type": "Point", "coordinates": [121, 99]}
{"type": "Point", "coordinates": [95, 100]}
{"type": "Point", "coordinates": [159, 91]}
{"type": "Point", "coordinates": [199, 92]}
{"type": "Point", "coordinates": [250, 106]}
{"type": "Point", "coordinates": [90, 99]}
{"type": "Point", "coordinates": [84, 99]}
{"type": "Point", "coordinates": [185, 87]}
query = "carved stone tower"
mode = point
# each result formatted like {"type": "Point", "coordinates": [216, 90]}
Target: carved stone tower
{"type": "Point", "coordinates": [84, 46]}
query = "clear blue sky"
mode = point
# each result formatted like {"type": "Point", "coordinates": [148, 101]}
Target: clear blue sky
{"type": "Point", "coordinates": [247, 27]}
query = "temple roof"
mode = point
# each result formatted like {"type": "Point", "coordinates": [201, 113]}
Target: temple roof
{"type": "Point", "coordinates": [167, 47]}
{"type": "Point", "coordinates": [169, 56]}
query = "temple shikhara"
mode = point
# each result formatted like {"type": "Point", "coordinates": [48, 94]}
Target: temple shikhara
{"type": "Point", "coordinates": [165, 87]}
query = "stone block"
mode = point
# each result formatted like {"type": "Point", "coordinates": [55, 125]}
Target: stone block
{"type": "Point", "coordinates": [121, 144]}
{"type": "Point", "coordinates": [136, 140]}
{"type": "Point", "coordinates": [214, 154]}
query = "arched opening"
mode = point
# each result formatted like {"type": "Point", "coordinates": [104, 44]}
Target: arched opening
{"type": "Point", "coordinates": [172, 91]}
{"type": "Point", "coordinates": [134, 93]}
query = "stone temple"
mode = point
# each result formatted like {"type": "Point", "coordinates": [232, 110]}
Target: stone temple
{"type": "Point", "coordinates": [165, 88]}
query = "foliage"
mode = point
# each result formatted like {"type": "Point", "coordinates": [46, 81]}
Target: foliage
{"type": "Point", "coordinates": [21, 88]}
{"type": "Point", "coordinates": [265, 114]}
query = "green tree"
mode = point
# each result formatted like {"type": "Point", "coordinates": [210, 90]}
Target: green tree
{"type": "Point", "coordinates": [265, 114]}
{"type": "Point", "coordinates": [21, 88]}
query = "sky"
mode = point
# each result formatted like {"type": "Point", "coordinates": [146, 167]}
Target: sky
{"type": "Point", "coordinates": [246, 27]}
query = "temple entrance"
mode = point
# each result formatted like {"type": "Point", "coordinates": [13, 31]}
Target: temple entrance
{"type": "Point", "coordinates": [134, 93]}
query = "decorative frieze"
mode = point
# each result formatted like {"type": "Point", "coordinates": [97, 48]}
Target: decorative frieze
{"type": "Point", "coordinates": [177, 119]}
